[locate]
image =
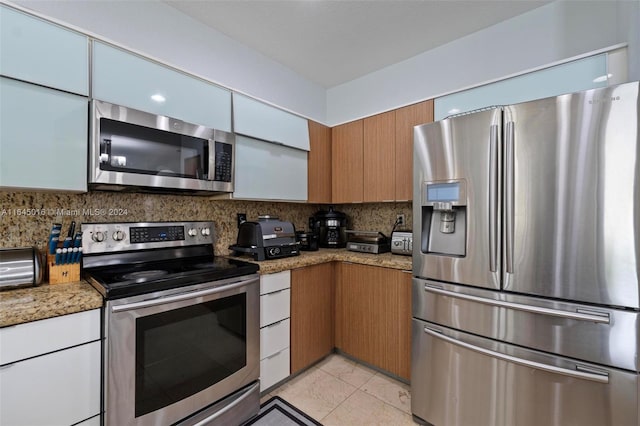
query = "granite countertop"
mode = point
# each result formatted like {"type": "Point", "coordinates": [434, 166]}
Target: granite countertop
{"type": "Point", "coordinates": [308, 258]}
{"type": "Point", "coordinates": [51, 300]}
{"type": "Point", "coordinates": [46, 301]}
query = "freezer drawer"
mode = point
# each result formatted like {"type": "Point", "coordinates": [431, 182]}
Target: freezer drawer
{"type": "Point", "coordinates": [595, 334]}
{"type": "Point", "coordinates": [461, 379]}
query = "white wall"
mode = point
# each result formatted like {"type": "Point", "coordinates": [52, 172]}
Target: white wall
{"type": "Point", "coordinates": [543, 36]}
{"type": "Point", "coordinates": [164, 33]}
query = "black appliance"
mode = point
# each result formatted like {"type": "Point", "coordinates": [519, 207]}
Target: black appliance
{"type": "Point", "coordinates": [331, 228]}
{"type": "Point", "coordinates": [308, 241]}
{"type": "Point", "coordinates": [268, 238]}
{"type": "Point", "coordinates": [368, 242]}
{"type": "Point", "coordinates": [181, 327]}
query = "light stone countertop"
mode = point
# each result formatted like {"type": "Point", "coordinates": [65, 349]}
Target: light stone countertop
{"type": "Point", "coordinates": [51, 300]}
{"type": "Point", "coordinates": [46, 301]}
{"type": "Point", "coordinates": [308, 258]}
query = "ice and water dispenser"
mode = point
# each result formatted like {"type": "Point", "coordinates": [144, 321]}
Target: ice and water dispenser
{"type": "Point", "coordinates": [444, 218]}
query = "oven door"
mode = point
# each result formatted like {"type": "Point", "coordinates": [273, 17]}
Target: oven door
{"type": "Point", "coordinates": [169, 355]}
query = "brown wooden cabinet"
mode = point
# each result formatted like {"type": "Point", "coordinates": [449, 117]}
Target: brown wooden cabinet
{"type": "Point", "coordinates": [347, 162]}
{"type": "Point", "coordinates": [319, 164]}
{"type": "Point", "coordinates": [312, 314]}
{"type": "Point", "coordinates": [405, 119]}
{"type": "Point", "coordinates": [373, 314]}
{"type": "Point", "coordinates": [379, 157]}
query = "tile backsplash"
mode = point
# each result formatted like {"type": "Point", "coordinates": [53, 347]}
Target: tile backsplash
{"type": "Point", "coordinates": [26, 217]}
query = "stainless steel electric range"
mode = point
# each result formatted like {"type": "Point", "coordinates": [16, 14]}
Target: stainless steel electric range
{"type": "Point", "coordinates": [181, 326]}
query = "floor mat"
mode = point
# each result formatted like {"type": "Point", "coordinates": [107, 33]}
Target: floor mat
{"type": "Point", "coordinates": [278, 412]}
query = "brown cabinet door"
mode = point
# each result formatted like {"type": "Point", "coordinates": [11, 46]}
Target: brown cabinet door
{"type": "Point", "coordinates": [312, 314]}
{"type": "Point", "coordinates": [373, 311]}
{"type": "Point", "coordinates": [319, 164]}
{"type": "Point", "coordinates": [404, 322]}
{"type": "Point", "coordinates": [379, 157]}
{"type": "Point", "coordinates": [406, 118]}
{"type": "Point", "coordinates": [347, 162]}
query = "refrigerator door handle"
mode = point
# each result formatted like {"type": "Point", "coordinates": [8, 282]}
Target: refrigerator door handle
{"type": "Point", "coordinates": [509, 195]}
{"type": "Point", "coordinates": [493, 199]}
{"type": "Point", "coordinates": [580, 372]}
{"type": "Point", "coordinates": [579, 314]}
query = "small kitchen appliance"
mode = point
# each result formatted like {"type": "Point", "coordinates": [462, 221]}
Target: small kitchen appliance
{"type": "Point", "coordinates": [331, 228]}
{"type": "Point", "coordinates": [181, 336]}
{"type": "Point", "coordinates": [402, 242]}
{"type": "Point", "coordinates": [307, 241]}
{"type": "Point", "coordinates": [20, 267]}
{"type": "Point", "coordinates": [368, 242]}
{"type": "Point", "coordinates": [268, 238]}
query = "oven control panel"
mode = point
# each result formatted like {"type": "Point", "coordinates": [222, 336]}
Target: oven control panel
{"type": "Point", "coordinates": [114, 237]}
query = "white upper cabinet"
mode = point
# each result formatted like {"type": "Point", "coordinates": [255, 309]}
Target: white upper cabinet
{"type": "Point", "coordinates": [266, 171]}
{"type": "Point", "coordinates": [126, 79]}
{"type": "Point", "coordinates": [43, 138]}
{"type": "Point", "coordinates": [261, 121]}
{"type": "Point", "coordinates": [37, 51]}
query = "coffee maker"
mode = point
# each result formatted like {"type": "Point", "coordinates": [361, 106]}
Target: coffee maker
{"type": "Point", "coordinates": [330, 227]}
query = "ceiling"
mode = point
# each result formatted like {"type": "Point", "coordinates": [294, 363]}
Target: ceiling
{"type": "Point", "coordinates": [333, 42]}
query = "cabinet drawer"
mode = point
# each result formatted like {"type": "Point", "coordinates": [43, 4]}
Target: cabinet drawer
{"type": "Point", "coordinates": [40, 337]}
{"type": "Point", "coordinates": [62, 388]}
{"type": "Point", "coordinates": [275, 307]}
{"type": "Point", "coordinates": [274, 338]}
{"type": "Point", "coordinates": [274, 282]}
{"type": "Point", "coordinates": [274, 369]}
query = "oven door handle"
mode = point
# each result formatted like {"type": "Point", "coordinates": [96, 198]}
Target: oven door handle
{"type": "Point", "coordinates": [179, 297]}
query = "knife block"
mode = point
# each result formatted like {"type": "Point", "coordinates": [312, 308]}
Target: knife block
{"type": "Point", "coordinates": [63, 273]}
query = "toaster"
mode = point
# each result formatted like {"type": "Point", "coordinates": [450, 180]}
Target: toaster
{"type": "Point", "coordinates": [268, 238]}
{"type": "Point", "coordinates": [402, 242]}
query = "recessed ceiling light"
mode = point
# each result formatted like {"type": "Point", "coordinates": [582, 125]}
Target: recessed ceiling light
{"type": "Point", "coordinates": [453, 111]}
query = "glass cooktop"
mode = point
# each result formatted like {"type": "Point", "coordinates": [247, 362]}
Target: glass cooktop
{"type": "Point", "coordinates": [115, 281]}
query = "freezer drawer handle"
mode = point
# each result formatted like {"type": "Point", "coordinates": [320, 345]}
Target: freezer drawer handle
{"type": "Point", "coordinates": [580, 314]}
{"type": "Point", "coordinates": [580, 372]}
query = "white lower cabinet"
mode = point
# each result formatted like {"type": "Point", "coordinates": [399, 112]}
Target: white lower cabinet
{"type": "Point", "coordinates": [53, 384]}
{"type": "Point", "coordinates": [275, 304]}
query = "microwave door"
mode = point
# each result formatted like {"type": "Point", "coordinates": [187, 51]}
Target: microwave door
{"type": "Point", "coordinates": [571, 197]}
{"type": "Point", "coordinates": [456, 199]}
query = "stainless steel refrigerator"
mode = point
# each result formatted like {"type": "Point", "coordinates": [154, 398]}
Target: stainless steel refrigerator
{"type": "Point", "coordinates": [525, 260]}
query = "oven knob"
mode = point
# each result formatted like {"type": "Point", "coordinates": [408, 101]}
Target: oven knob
{"type": "Point", "coordinates": [98, 236]}
{"type": "Point", "coordinates": [206, 232]}
{"type": "Point", "coordinates": [192, 232]}
{"type": "Point", "coordinates": [118, 235]}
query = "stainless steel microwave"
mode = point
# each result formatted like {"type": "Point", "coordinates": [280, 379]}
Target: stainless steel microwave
{"type": "Point", "coordinates": [132, 149]}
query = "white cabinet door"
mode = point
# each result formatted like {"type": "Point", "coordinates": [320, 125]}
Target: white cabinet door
{"type": "Point", "coordinates": [40, 337]}
{"type": "Point", "coordinates": [61, 388]}
{"type": "Point", "coordinates": [126, 79]}
{"type": "Point", "coordinates": [43, 138]}
{"type": "Point", "coordinates": [262, 121]}
{"type": "Point", "coordinates": [266, 171]}
{"type": "Point", "coordinates": [34, 50]}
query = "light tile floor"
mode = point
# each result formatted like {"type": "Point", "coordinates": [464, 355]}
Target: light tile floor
{"type": "Point", "coordinates": [341, 392]}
